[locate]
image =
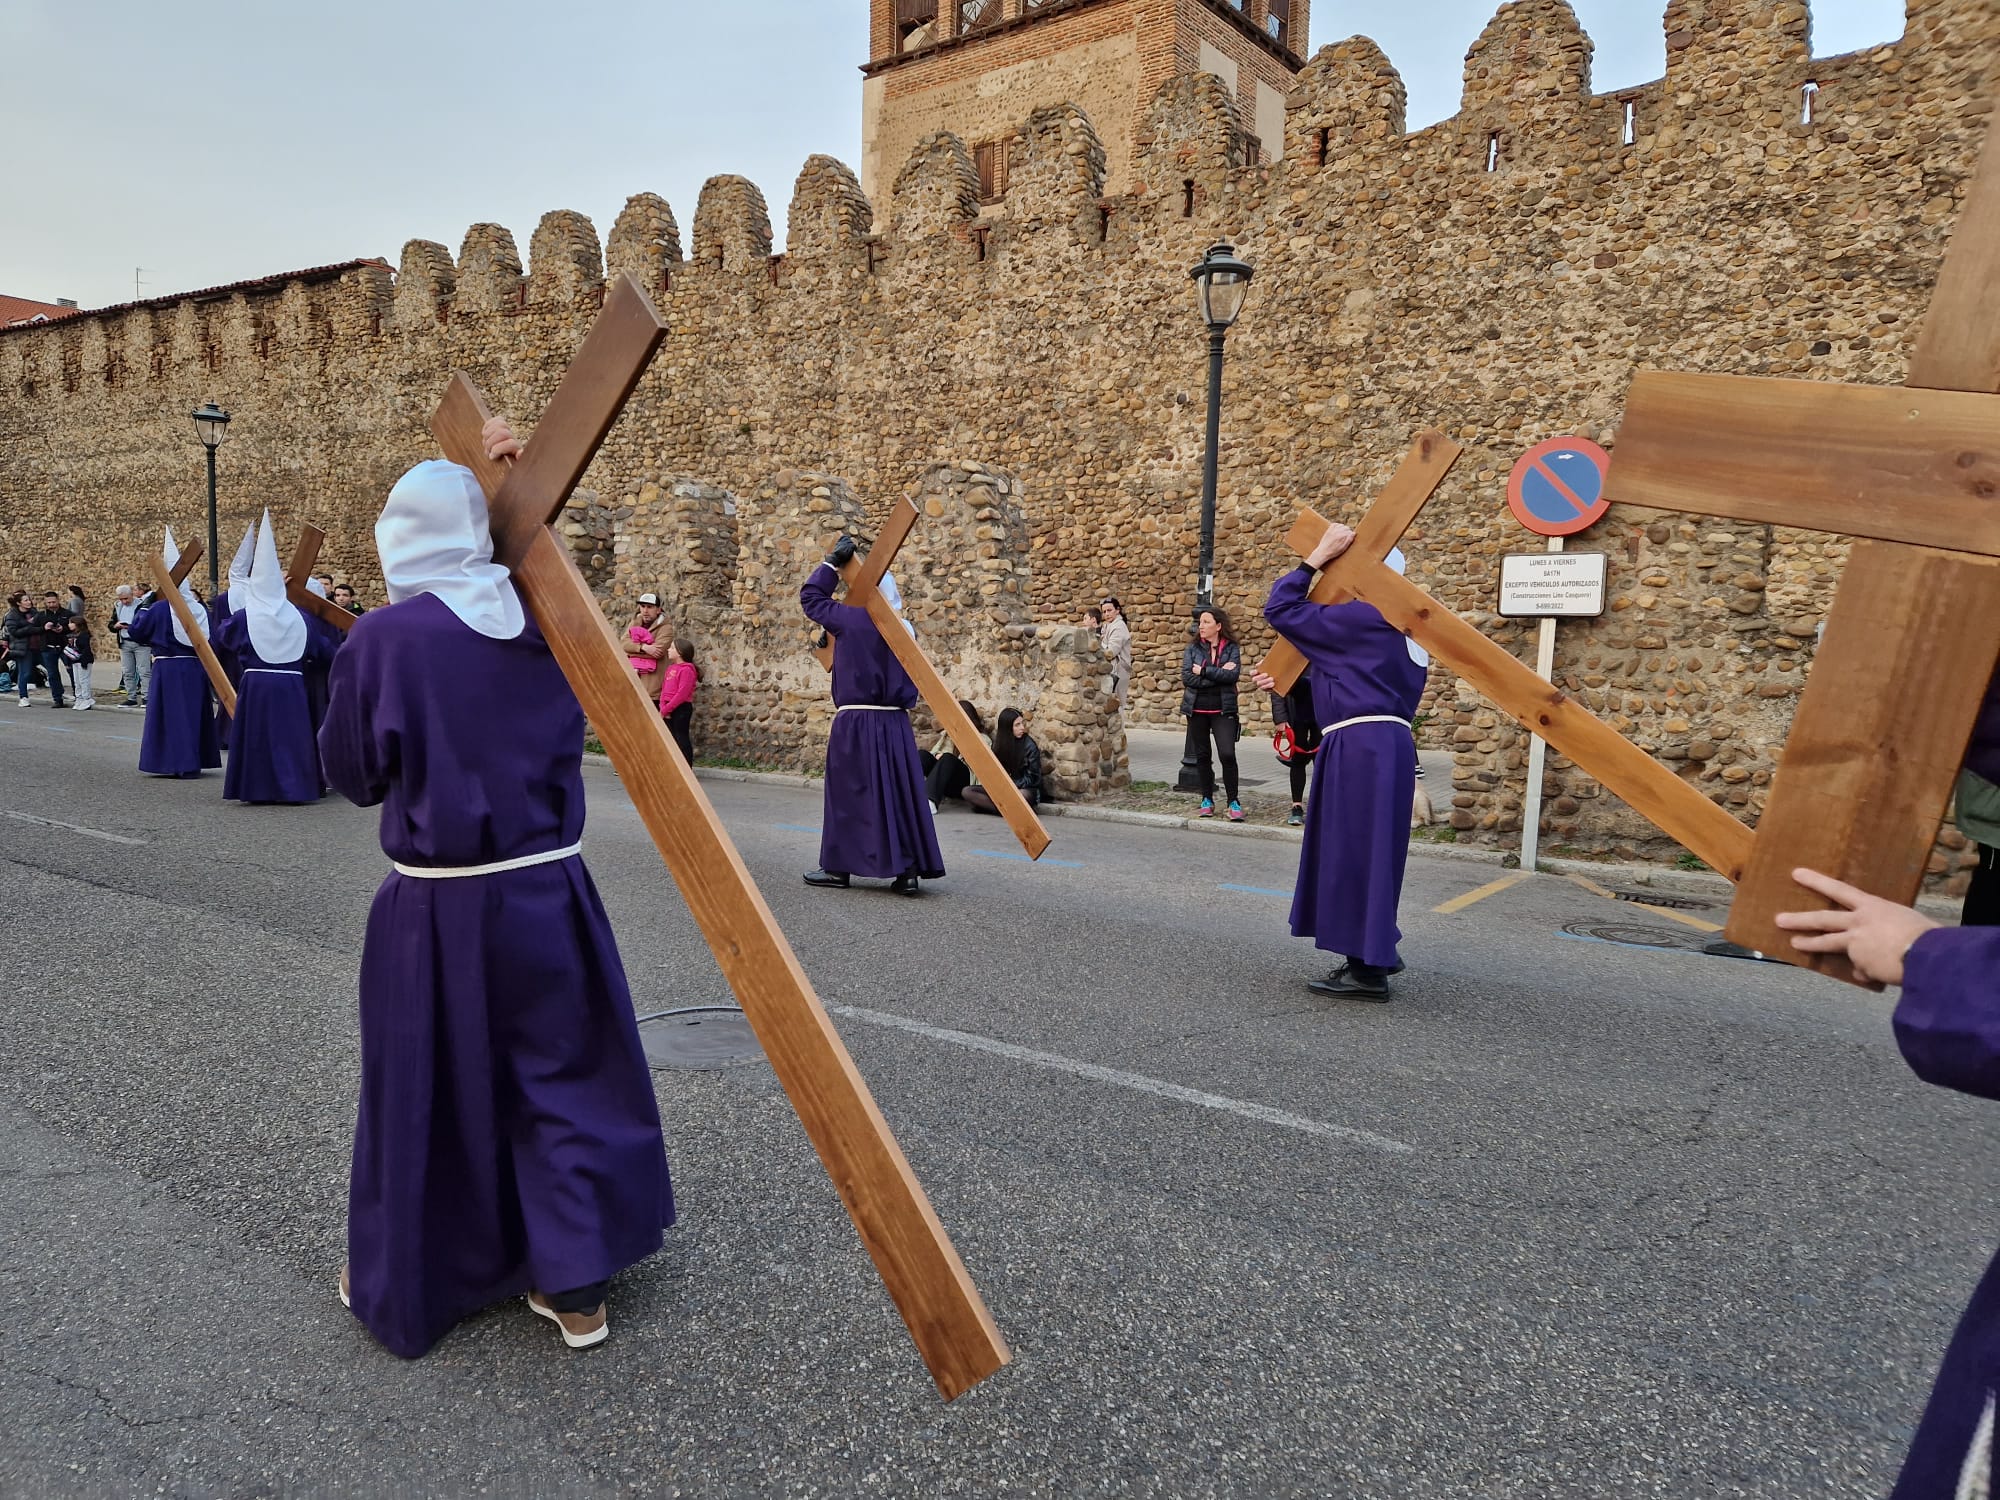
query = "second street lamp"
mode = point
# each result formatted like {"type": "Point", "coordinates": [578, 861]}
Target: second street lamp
{"type": "Point", "coordinates": [1222, 282]}
{"type": "Point", "coordinates": [210, 421]}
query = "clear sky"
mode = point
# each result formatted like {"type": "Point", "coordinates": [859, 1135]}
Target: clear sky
{"type": "Point", "coordinates": [240, 138]}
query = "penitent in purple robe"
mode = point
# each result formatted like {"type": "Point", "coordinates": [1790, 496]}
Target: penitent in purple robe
{"type": "Point", "coordinates": [273, 756]}
{"type": "Point", "coordinates": [508, 1137]}
{"type": "Point", "coordinates": [1948, 1025]}
{"type": "Point", "coordinates": [1364, 776]}
{"type": "Point", "coordinates": [179, 737]}
{"type": "Point", "coordinates": [876, 819]}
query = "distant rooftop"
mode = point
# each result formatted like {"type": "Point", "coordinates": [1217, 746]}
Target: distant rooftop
{"type": "Point", "coordinates": [15, 311]}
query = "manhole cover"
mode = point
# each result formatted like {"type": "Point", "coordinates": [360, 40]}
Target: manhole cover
{"type": "Point", "coordinates": [702, 1038]}
{"type": "Point", "coordinates": [1634, 935]}
{"type": "Point", "coordinates": [1665, 903]}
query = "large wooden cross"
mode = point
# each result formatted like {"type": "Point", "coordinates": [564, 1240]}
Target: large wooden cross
{"type": "Point", "coordinates": [1914, 632]}
{"type": "Point", "coordinates": [299, 572]}
{"type": "Point", "coordinates": [167, 584]}
{"type": "Point", "coordinates": [922, 1272]}
{"type": "Point", "coordinates": [863, 577]}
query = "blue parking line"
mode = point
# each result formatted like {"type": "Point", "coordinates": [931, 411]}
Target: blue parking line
{"type": "Point", "coordinates": [1067, 864]}
{"type": "Point", "coordinates": [797, 827]}
{"type": "Point", "coordinates": [1255, 890]}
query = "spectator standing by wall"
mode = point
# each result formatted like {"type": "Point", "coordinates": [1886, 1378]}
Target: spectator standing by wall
{"type": "Point", "coordinates": [1210, 668]}
{"type": "Point", "coordinates": [1297, 740]}
{"type": "Point", "coordinates": [135, 662]}
{"type": "Point", "coordinates": [85, 658]}
{"type": "Point", "coordinates": [27, 634]}
{"type": "Point", "coordinates": [1116, 638]}
{"type": "Point", "coordinates": [677, 686]}
{"type": "Point", "coordinates": [343, 595]}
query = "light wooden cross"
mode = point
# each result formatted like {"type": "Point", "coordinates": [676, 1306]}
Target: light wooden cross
{"type": "Point", "coordinates": [167, 584]}
{"type": "Point", "coordinates": [1913, 634]}
{"type": "Point", "coordinates": [862, 576]}
{"type": "Point", "coordinates": [922, 1272]}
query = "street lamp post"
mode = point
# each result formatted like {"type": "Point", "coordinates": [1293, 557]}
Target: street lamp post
{"type": "Point", "coordinates": [209, 422]}
{"type": "Point", "coordinates": [1223, 282]}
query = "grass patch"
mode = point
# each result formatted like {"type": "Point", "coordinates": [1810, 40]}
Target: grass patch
{"type": "Point", "coordinates": [1151, 786]}
{"type": "Point", "coordinates": [1688, 862]}
{"type": "Point", "coordinates": [1436, 834]}
{"type": "Point", "coordinates": [592, 745]}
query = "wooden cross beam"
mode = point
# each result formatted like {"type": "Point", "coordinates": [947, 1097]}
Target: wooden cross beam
{"type": "Point", "coordinates": [180, 570]}
{"type": "Point", "coordinates": [862, 576]}
{"type": "Point", "coordinates": [1914, 631]}
{"type": "Point", "coordinates": [922, 1272]}
{"type": "Point", "coordinates": [311, 539]}
{"type": "Point", "coordinates": [169, 589]}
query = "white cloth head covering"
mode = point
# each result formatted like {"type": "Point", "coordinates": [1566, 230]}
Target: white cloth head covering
{"type": "Point", "coordinates": [171, 554]}
{"type": "Point", "coordinates": [239, 566]}
{"type": "Point", "coordinates": [894, 595]}
{"type": "Point", "coordinates": [277, 629]}
{"type": "Point", "coordinates": [435, 538]}
{"type": "Point", "coordinates": [316, 585]}
{"type": "Point", "coordinates": [1401, 564]}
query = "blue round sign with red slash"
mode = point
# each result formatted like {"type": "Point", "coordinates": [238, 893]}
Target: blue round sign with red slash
{"type": "Point", "coordinates": [1557, 489]}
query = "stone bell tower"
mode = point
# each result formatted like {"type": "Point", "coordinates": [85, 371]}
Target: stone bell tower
{"type": "Point", "coordinates": [978, 68]}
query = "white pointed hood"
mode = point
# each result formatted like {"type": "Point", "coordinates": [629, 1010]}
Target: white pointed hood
{"type": "Point", "coordinates": [1401, 564]}
{"type": "Point", "coordinates": [277, 629]}
{"type": "Point", "coordinates": [239, 566]}
{"type": "Point", "coordinates": [434, 538]}
{"type": "Point", "coordinates": [894, 595]}
{"type": "Point", "coordinates": [171, 554]}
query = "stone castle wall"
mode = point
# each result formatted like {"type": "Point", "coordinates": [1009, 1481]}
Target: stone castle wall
{"type": "Point", "coordinates": [1400, 283]}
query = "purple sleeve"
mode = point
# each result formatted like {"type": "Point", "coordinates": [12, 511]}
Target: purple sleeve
{"type": "Point", "coordinates": [149, 624]}
{"type": "Point", "coordinates": [816, 598]}
{"type": "Point", "coordinates": [1948, 1020]}
{"type": "Point", "coordinates": [359, 756]}
{"type": "Point", "coordinates": [1326, 627]}
{"type": "Point", "coordinates": [231, 633]}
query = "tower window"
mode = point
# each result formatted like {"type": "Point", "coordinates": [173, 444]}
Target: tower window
{"type": "Point", "coordinates": [1631, 121]}
{"type": "Point", "coordinates": [1809, 103]}
{"type": "Point", "coordinates": [1493, 152]}
{"type": "Point", "coordinates": [916, 24]}
{"type": "Point", "coordinates": [1187, 199]}
{"type": "Point", "coordinates": [973, 14]}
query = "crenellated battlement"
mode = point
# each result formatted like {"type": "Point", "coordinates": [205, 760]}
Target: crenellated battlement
{"type": "Point", "coordinates": [1500, 273]}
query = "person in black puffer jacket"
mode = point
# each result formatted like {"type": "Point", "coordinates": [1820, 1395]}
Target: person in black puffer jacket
{"type": "Point", "coordinates": [23, 627]}
{"type": "Point", "coordinates": [1209, 669]}
{"type": "Point", "coordinates": [1020, 757]}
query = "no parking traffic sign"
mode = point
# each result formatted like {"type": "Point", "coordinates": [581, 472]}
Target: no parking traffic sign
{"type": "Point", "coordinates": [1557, 488]}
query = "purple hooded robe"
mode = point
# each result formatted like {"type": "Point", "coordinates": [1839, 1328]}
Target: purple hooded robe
{"type": "Point", "coordinates": [179, 737]}
{"type": "Point", "coordinates": [1948, 1025]}
{"type": "Point", "coordinates": [877, 817]}
{"type": "Point", "coordinates": [508, 1137]}
{"type": "Point", "coordinates": [1364, 776]}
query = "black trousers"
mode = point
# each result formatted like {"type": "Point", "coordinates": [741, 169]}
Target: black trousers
{"type": "Point", "coordinates": [1301, 768]}
{"type": "Point", "coordinates": [1221, 730]}
{"type": "Point", "coordinates": [580, 1299]}
{"type": "Point", "coordinates": [1982, 897]}
{"type": "Point", "coordinates": [678, 724]}
{"type": "Point", "coordinates": [947, 776]}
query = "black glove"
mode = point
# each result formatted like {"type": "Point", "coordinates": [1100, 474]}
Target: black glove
{"type": "Point", "coordinates": [843, 552]}
{"type": "Point", "coordinates": [823, 642]}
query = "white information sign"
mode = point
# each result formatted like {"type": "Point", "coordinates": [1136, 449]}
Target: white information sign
{"type": "Point", "coordinates": [1552, 585]}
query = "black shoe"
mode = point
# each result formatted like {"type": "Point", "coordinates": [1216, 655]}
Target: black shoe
{"type": "Point", "coordinates": [829, 880]}
{"type": "Point", "coordinates": [906, 885]}
{"type": "Point", "coordinates": [1356, 982]}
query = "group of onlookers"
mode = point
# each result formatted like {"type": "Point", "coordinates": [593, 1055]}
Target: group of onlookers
{"type": "Point", "coordinates": [657, 655]}
{"type": "Point", "coordinates": [946, 774]}
{"type": "Point", "coordinates": [47, 644]}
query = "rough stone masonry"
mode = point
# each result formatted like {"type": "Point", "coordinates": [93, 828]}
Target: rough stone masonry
{"type": "Point", "coordinates": [1500, 274]}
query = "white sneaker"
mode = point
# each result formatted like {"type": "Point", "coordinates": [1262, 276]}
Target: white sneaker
{"type": "Point", "coordinates": [80, 707]}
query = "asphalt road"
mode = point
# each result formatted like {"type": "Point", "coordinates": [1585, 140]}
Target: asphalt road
{"type": "Point", "coordinates": [1568, 1218]}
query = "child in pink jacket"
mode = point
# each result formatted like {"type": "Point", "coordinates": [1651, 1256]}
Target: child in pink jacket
{"type": "Point", "coordinates": [677, 685]}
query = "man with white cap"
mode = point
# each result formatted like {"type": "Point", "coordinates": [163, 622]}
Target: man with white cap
{"type": "Point", "coordinates": [179, 737]}
{"type": "Point", "coordinates": [508, 1141]}
{"type": "Point", "coordinates": [876, 820]}
{"type": "Point", "coordinates": [1367, 680]}
{"type": "Point", "coordinates": [272, 755]}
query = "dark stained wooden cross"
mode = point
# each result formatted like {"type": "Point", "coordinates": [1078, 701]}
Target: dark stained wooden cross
{"type": "Point", "coordinates": [1911, 640]}
{"type": "Point", "coordinates": [953, 1331]}
{"type": "Point", "coordinates": [863, 575]}
{"type": "Point", "coordinates": [299, 573]}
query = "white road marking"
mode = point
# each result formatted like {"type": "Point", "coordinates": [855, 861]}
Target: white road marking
{"type": "Point", "coordinates": [93, 833]}
{"type": "Point", "coordinates": [1126, 1080]}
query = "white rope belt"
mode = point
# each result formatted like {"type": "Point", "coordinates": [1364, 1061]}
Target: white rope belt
{"type": "Point", "coordinates": [274, 671]}
{"type": "Point", "coordinates": [1369, 719]}
{"type": "Point", "coordinates": [466, 872]}
{"type": "Point", "coordinates": [870, 708]}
